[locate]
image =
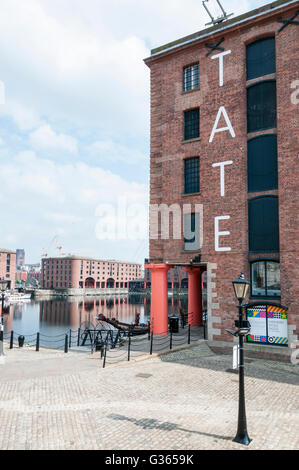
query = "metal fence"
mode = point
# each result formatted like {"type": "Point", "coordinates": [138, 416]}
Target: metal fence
{"type": "Point", "coordinates": [133, 347]}
{"type": "Point", "coordinates": [114, 345]}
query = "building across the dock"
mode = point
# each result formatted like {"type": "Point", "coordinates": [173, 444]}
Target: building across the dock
{"type": "Point", "coordinates": [8, 267]}
{"type": "Point", "coordinates": [74, 272]}
{"type": "Point", "coordinates": [224, 165]}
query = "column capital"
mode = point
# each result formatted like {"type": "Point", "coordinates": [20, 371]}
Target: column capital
{"type": "Point", "coordinates": [158, 267]}
{"type": "Point", "coordinates": [194, 270]}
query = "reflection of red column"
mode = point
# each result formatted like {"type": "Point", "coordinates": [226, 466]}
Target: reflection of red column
{"type": "Point", "coordinates": [194, 296]}
{"type": "Point", "coordinates": [159, 298]}
{"type": "Point", "coordinates": [74, 315]}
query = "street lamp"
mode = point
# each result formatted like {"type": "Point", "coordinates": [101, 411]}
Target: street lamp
{"type": "Point", "coordinates": [3, 287]}
{"type": "Point", "coordinates": [241, 286]}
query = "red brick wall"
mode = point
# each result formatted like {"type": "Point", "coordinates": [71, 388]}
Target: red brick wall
{"type": "Point", "coordinates": [168, 103]}
{"type": "Point", "coordinates": [11, 275]}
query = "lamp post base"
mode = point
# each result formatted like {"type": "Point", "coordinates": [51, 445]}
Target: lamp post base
{"type": "Point", "coordinates": [242, 439]}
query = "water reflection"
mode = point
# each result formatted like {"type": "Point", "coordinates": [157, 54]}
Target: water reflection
{"type": "Point", "coordinates": [57, 316]}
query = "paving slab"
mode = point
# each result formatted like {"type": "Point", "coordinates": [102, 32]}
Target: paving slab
{"type": "Point", "coordinates": [184, 400]}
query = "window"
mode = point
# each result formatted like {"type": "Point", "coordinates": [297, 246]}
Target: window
{"type": "Point", "coordinates": [191, 175]}
{"type": "Point", "coordinates": [265, 279]}
{"type": "Point", "coordinates": [260, 58]}
{"type": "Point", "coordinates": [191, 232]}
{"type": "Point", "coordinates": [263, 225]}
{"type": "Point", "coordinates": [262, 163]}
{"type": "Point", "coordinates": [261, 106]}
{"type": "Point", "coordinates": [191, 124]}
{"type": "Point", "coordinates": [191, 77]}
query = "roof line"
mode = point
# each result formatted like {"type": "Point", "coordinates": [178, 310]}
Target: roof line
{"type": "Point", "coordinates": [230, 24]}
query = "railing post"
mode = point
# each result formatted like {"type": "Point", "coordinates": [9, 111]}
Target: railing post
{"type": "Point", "coordinates": [79, 334]}
{"type": "Point", "coordinates": [205, 325]}
{"type": "Point", "coordinates": [189, 334]}
{"type": "Point", "coordinates": [129, 347]}
{"type": "Point", "coordinates": [149, 331]}
{"type": "Point", "coordinates": [170, 346]}
{"type": "Point", "coordinates": [105, 355]}
{"type": "Point", "coordinates": [66, 344]}
{"type": "Point", "coordinates": [70, 343]}
{"type": "Point", "coordinates": [11, 340]}
{"type": "Point", "coordinates": [152, 341]}
{"type": "Point", "coordinates": [37, 342]}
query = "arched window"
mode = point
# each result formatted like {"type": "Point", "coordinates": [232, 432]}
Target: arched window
{"type": "Point", "coordinates": [265, 278]}
{"type": "Point", "coordinates": [260, 58]}
{"type": "Point", "coordinates": [263, 224]}
{"type": "Point", "coordinates": [262, 163]}
{"type": "Point", "coordinates": [261, 106]}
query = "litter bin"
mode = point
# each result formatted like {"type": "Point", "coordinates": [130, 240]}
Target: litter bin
{"type": "Point", "coordinates": [21, 340]}
{"type": "Point", "coordinates": [174, 324]}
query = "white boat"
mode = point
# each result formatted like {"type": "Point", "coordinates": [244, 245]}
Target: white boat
{"type": "Point", "coordinates": [18, 297]}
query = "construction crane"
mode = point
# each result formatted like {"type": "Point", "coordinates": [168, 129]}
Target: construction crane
{"type": "Point", "coordinates": [60, 254]}
{"type": "Point", "coordinates": [45, 252]}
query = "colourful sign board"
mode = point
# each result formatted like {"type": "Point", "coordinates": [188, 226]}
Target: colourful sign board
{"type": "Point", "coordinates": [269, 325]}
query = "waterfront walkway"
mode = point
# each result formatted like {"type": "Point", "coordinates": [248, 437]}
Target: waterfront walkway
{"type": "Point", "coordinates": [184, 400]}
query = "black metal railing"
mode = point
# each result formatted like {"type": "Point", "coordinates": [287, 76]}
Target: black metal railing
{"type": "Point", "coordinates": [134, 347]}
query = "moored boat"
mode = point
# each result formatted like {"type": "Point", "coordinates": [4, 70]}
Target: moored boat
{"type": "Point", "coordinates": [18, 297]}
{"type": "Point", "coordinates": [134, 329]}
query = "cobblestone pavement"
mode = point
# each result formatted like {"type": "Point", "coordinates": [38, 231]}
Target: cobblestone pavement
{"type": "Point", "coordinates": [183, 400]}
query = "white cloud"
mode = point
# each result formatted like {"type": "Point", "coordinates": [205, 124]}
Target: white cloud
{"type": "Point", "coordinates": [69, 71]}
{"type": "Point", "coordinates": [112, 151]}
{"type": "Point", "coordinates": [45, 138]}
{"type": "Point", "coordinates": [79, 64]}
{"type": "Point", "coordinates": [46, 198]}
{"type": "Point", "coordinates": [25, 118]}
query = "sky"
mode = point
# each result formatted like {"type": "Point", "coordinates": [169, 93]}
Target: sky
{"type": "Point", "coordinates": [74, 120]}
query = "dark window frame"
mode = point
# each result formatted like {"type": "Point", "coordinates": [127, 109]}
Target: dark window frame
{"type": "Point", "coordinates": [189, 174]}
{"type": "Point", "coordinates": [260, 137]}
{"type": "Point", "coordinates": [264, 260]}
{"type": "Point", "coordinates": [191, 134]}
{"type": "Point", "coordinates": [255, 85]}
{"type": "Point", "coordinates": [186, 81]}
{"type": "Point", "coordinates": [263, 196]}
{"type": "Point", "coordinates": [252, 76]}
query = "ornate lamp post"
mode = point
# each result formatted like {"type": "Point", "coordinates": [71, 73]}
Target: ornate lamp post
{"type": "Point", "coordinates": [3, 287]}
{"type": "Point", "coordinates": [241, 289]}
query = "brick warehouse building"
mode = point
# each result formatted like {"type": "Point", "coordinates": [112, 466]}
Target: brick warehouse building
{"type": "Point", "coordinates": [73, 272]}
{"type": "Point", "coordinates": [8, 267]}
{"type": "Point", "coordinates": [224, 136]}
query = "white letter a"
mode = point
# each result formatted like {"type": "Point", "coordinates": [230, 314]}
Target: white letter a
{"type": "Point", "coordinates": [222, 129]}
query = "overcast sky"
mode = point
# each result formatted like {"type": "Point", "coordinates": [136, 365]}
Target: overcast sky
{"type": "Point", "coordinates": [74, 130]}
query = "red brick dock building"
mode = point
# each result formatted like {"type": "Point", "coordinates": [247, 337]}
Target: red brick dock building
{"type": "Point", "coordinates": [75, 272]}
{"type": "Point", "coordinates": [8, 267]}
{"type": "Point", "coordinates": [224, 140]}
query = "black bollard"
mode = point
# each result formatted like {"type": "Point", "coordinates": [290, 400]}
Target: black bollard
{"type": "Point", "coordinates": [129, 347]}
{"type": "Point", "coordinates": [37, 342]}
{"type": "Point", "coordinates": [105, 355]}
{"type": "Point", "coordinates": [11, 340]}
{"type": "Point", "coordinates": [66, 344]}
